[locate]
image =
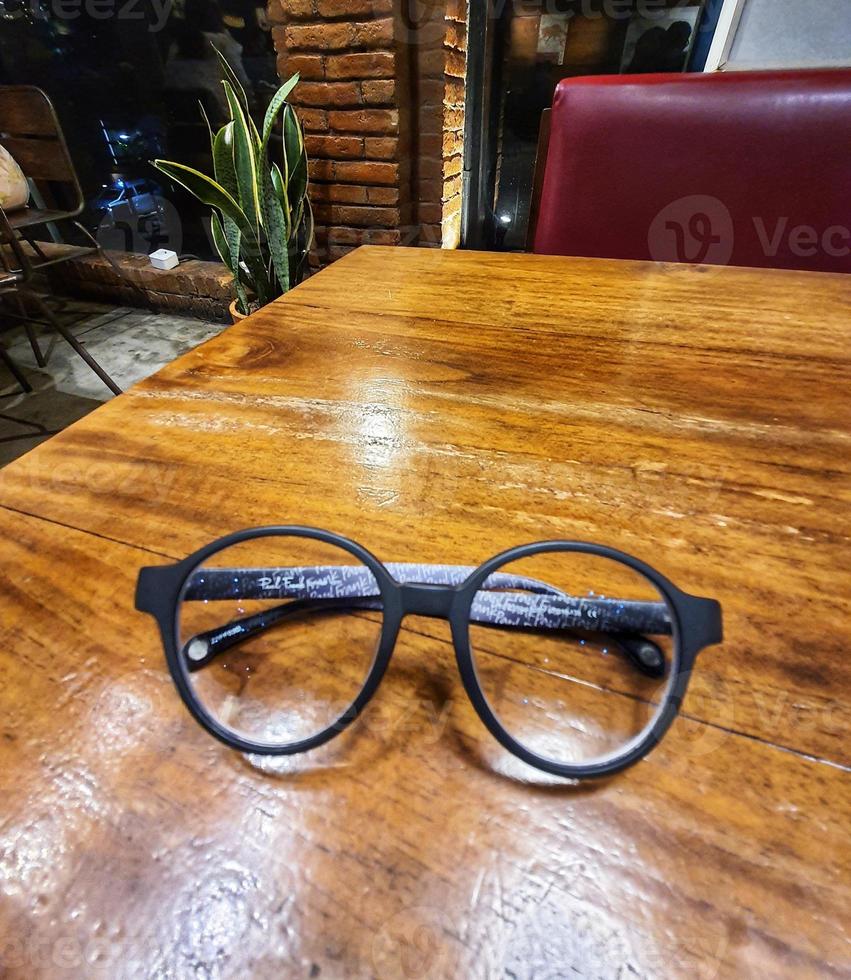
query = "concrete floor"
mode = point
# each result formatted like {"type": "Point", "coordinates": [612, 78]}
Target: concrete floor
{"type": "Point", "coordinates": [129, 344]}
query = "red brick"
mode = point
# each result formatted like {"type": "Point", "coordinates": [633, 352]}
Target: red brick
{"type": "Point", "coordinates": [432, 63]}
{"type": "Point", "coordinates": [456, 63]}
{"type": "Point", "coordinates": [430, 122]}
{"type": "Point", "coordinates": [354, 172]}
{"type": "Point", "coordinates": [373, 33]}
{"type": "Point", "coordinates": [294, 9]}
{"type": "Point", "coordinates": [364, 121]}
{"type": "Point", "coordinates": [431, 146]}
{"type": "Point", "coordinates": [430, 168]}
{"type": "Point", "coordinates": [451, 208]}
{"type": "Point", "coordinates": [452, 142]}
{"type": "Point", "coordinates": [309, 66]}
{"type": "Point", "coordinates": [381, 147]}
{"type": "Point", "coordinates": [364, 236]}
{"type": "Point", "coordinates": [453, 165]}
{"type": "Point", "coordinates": [361, 217]}
{"type": "Point", "coordinates": [275, 11]}
{"type": "Point", "coordinates": [353, 8]}
{"type": "Point", "coordinates": [381, 92]}
{"type": "Point", "coordinates": [340, 194]}
{"type": "Point", "coordinates": [456, 35]}
{"type": "Point", "coordinates": [361, 64]}
{"type": "Point", "coordinates": [313, 120]}
{"type": "Point", "coordinates": [432, 212]}
{"type": "Point", "coordinates": [451, 187]}
{"type": "Point", "coordinates": [381, 195]}
{"type": "Point", "coordinates": [327, 36]}
{"type": "Point", "coordinates": [326, 94]}
{"type": "Point", "coordinates": [335, 147]}
{"type": "Point", "coordinates": [367, 172]}
{"type": "Point", "coordinates": [456, 10]}
{"type": "Point", "coordinates": [453, 119]}
{"type": "Point", "coordinates": [454, 91]}
{"type": "Point", "coordinates": [431, 92]}
{"type": "Point", "coordinates": [321, 169]}
{"type": "Point", "coordinates": [430, 190]}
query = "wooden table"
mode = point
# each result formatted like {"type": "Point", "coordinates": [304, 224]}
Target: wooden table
{"type": "Point", "coordinates": [440, 407]}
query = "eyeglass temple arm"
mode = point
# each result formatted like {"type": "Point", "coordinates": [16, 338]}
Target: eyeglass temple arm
{"type": "Point", "coordinates": [546, 608]}
{"type": "Point", "coordinates": [502, 595]}
{"type": "Point", "coordinates": [200, 649]}
{"type": "Point", "coordinates": [204, 647]}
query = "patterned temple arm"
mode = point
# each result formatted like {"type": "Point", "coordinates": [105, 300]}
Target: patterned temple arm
{"type": "Point", "coordinates": [503, 600]}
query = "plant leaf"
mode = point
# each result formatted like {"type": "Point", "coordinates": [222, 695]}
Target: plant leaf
{"type": "Point", "coordinates": [245, 161]}
{"type": "Point", "coordinates": [277, 103]}
{"type": "Point", "coordinates": [236, 85]}
{"type": "Point", "coordinates": [209, 126]}
{"type": "Point", "coordinates": [227, 253]}
{"type": "Point", "coordinates": [206, 190]}
{"type": "Point", "coordinates": [296, 158]}
{"type": "Point", "coordinates": [275, 225]}
{"type": "Point", "coordinates": [281, 192]}
{"type": "Point", "coordinates": [219, 239]}
{"type": "Point", "coordinates": [209, 192]}
{"type": "Point", "coordinates": [223, 160]}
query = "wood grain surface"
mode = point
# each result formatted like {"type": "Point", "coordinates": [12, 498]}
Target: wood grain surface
{"type": "Point", "coordinates": [442, 406]}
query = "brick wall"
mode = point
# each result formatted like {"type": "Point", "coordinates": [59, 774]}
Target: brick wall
{"type": "Point", "coordinates": [453, 119]}
{"type": "Point", "coordinates": [372, 100]}
{"type": "Point", "coordinates": [425, 33]}
{"type": "Point", "coordinates": [195, 288]}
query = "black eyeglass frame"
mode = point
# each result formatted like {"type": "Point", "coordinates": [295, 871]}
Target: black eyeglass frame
{"type": "Point", "coordinates": [696, 624]}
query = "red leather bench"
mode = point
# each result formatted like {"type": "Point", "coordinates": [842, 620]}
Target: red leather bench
{"type": "Point", "coordinates": [739, 168]}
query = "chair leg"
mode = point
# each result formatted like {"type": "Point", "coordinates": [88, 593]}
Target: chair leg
{"type": "Point", "coordinates": [65, 333]}
{"type": "Point", "coordinates": [40, 359]}
{"type": "Point", "coordinates": [6, 358]}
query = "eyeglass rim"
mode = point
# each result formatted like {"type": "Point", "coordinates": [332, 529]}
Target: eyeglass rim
{"type": "Point", "coordinates": [160, 589]}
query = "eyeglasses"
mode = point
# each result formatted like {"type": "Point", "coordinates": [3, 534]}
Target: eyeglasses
{"type": "Point", "coordinates": [576, 657]}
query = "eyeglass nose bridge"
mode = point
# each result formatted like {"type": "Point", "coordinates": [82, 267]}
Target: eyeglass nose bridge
{"type": "Point", "coordinates": [427, 600]}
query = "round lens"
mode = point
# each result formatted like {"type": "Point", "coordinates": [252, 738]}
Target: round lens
{"type": "Point", "coordinates": [575, 654]}
{"type": "Point", "coordinates": [277, 635]}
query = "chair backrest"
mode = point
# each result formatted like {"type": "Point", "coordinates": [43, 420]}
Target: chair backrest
{"type": "Point", "coordinates": [738, 168]}
{"type": "Point", "coordinates": [30, 131]}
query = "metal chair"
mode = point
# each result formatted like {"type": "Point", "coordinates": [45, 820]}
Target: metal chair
{"type": "Point", "coordinates": [15, 371]}
{"type": "Point", "coordinates": [16, 272]}
{"type": "Point", "coordinates": [31, 132]}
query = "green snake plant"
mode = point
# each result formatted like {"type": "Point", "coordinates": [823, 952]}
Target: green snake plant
{"type": "Point", "coordinates": [262, 225]}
